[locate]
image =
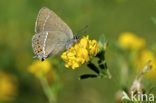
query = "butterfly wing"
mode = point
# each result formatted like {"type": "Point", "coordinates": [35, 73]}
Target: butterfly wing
{"type": "Point", "coordinates": [56, 43]}
{"type": "Point", "coordinates": [49, 43]}
{"type": "Point", "coordinates": [51, 34]}
{"type": "Point", "coordinates": [47, 20]}
{"type": "Point", "coordinates": [37, 43]}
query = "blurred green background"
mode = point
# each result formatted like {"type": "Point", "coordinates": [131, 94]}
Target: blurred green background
{"type": "Point", "coordinates": [108, 17]}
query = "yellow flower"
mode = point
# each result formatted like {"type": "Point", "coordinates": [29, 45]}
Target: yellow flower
{"type": "Point", "coordinates": [143, 58]}
{"type": "Point", "coordinates": [130, 41]}
{"type": "Point", "coordinates": [93, 47]}
{"type": "Point", "coordinates": [8, 87]}
{"type": "Point", "coordinates": [80, 53]}
{"type": "Point", "coordinates": [154, 47]}
{"type": "Point", "coordinates": [39, 68]}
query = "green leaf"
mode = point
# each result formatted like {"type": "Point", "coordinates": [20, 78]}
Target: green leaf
{"type": "Point", "coordinates": [93, 67]}
{"type": "Point", "coordinates": [154, 20]}
{"type": "Point", "coordinates": [105, 73]}
{"type": "Point", "coordinates": [86, 76]}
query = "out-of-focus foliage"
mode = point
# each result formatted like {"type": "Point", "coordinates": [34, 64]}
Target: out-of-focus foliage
{"type": "Point", "coordinates": [137, 57]}
{"type": "Point", "coordinates": [108, 17]}
{"type": "Point", "coordinates": [142, 55]}
{"type": "Point", "coordinates": [143, 58]}
{"type": "Point", "coordinates": [8, 87]}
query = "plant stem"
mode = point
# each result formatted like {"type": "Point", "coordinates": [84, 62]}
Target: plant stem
{"type": "Point", "coordinates": [47, 90]}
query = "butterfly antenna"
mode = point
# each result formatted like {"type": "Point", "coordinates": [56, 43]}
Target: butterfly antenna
{"type": "Point", "coordinates": [82, 30]}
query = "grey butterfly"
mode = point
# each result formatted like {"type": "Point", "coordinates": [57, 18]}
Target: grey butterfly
{"type": "Point", "coordinates": [52, 35]}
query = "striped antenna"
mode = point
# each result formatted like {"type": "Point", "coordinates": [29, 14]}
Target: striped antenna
{"type": "Point", "coordinates": [82, 30]}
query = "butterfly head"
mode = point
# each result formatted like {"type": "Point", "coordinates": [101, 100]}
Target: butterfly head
{"type": "Point", "coordinates": [76, 38]}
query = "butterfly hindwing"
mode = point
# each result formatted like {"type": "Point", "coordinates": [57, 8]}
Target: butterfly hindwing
{"type": "Point", "coordinates": [55, 43]}
{"type": "Point", "coordinates": [49, 43]}
{"type": "Point", "coordinates": [37, 43]}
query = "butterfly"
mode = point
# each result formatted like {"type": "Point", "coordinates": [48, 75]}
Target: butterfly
{"type": "Point", "coordinates": [52, 36]}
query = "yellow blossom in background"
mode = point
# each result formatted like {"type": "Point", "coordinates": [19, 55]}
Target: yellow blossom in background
{"type": "Point", "coordinates": [154, 47]}
{"type": "Point", "coordinates": [143, 58]}
{"type": "Point", "coordinates": [80, 53]}
{"type": "Point", "coordinates": [47, 76]}
{"type": "Point", "coordinates": [8, 87]}
{"type": "Point", "coordinates": [131, 41]}
{"type": "Point", "coordinates": [39, 68]}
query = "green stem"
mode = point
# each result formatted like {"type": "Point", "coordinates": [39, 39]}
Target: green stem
{"type": "Point", "coordinates": [47, 90]}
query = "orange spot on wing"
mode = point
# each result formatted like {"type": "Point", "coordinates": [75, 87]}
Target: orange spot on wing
{"type": "Point", "coordinates": [38, 49]}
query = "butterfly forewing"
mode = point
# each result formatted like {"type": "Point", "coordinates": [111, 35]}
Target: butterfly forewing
{"type": "Point", "coordinates": [47, 20]}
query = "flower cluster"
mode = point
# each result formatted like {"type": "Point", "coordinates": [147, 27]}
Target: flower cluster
{"type": "Point", "coordinates": [81, 52]}
{"type": "Point", "coordinates": [130, 41]}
